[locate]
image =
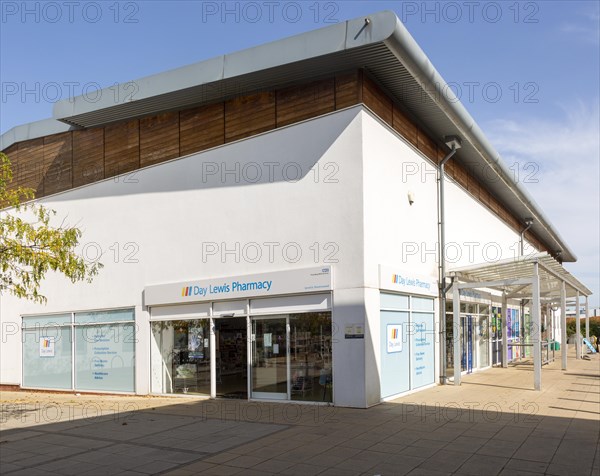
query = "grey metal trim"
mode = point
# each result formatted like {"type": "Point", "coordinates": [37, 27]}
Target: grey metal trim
{"type": "Point", "coordinates": [247, 70]}
{"type": "Point", "coordinates": [33, 130]}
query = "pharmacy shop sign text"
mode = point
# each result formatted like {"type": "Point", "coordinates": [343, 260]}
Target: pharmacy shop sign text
{"type": "Point", "coordinates": [305, 280]}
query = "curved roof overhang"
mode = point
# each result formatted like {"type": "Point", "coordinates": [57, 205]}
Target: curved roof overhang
{"type": "Point", "coordinates": [379, 43]}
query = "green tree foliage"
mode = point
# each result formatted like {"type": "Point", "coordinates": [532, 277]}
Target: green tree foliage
{"type": "Point", "coordinates": [30, 245]}
{"type": "Point", "coordinates": [594, 326]}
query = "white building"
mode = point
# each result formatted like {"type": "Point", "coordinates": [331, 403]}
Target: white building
{"type": "Point", "coordinates": [269, 227]}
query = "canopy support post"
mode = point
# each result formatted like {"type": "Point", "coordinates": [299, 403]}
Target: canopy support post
{"type": "Point", "coordinates": [587, 318]}
{"type": "Point", "coordinates": [577, 328]}
{"type": "Point", "coordinates": [563, 324]}
{"type": "Point", "coordinates": [504, 330]}
{"type": "Point", "coordinates": [537, 330]}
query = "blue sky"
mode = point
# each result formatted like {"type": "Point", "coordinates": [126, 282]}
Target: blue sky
{"type": "Point", "coordinates": [532, 68]}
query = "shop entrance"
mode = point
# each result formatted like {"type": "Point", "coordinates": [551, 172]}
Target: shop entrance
{"type": "Point", "coordinates": [291, 357]}
{"type": "Point", "coordinates": [231, 357]}
{"type": "Point", "coordinates": [270, 358]}
{"type": "Point", "coordinates": [474, 336]}
{"type": "Point", "coordinates": [475, 342]}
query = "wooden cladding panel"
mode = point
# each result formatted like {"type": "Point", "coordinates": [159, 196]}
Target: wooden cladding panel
{"type": "Point", "coordinates": [473, 186]}
{"type": "Point", "coordinates": [534, 241]}
{"type": "Point", "coordinates": [460, 175]}
{"type": "Point", "coordinates": [494, 205]}
{"type": "Point", "coordinates": [88, 156]}
{"type": "Point", "coordinates": [297, 103]}
{"type": "Point", "coordinates": [426, 145]}
{"type": "Point", "coordinates": [159, 138]}
{"type": "Point", "coordinates": [122, 148]}
{"type": "Point", "coordinates": [376, 100]}
{"type": "Point", "coordinates": [12, 153]}
{"type": "Point", "coordinates": [512, 221]}
{"type": "Point", "coordinates": [441, 153]}
{"type": "Point", "coordinates": [201, 128]}
{"type": "Point", "coordinates": [404, 126]}
{"type": "Point", "coordinates": [501, 211]}
{"type": "Point", "coordinates": [348, 89]}
{"type": "Point", "coordinates": [450, 169]}
{"type": "Point", "coordinates": [58, 161]}
{"type": "Point", "coordinates": [30, 168]}
{"type": "Point", "coordinates": [484, 196]}
{"type": "Point", "coordinates": [249, 115]}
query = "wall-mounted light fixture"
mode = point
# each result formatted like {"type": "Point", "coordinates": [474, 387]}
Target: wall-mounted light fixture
{"type": "Point", "coordinates": [411, 197]}
{"type": "Point", "coordinates": [453, 142]}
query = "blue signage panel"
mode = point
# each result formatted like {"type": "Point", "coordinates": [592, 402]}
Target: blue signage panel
{"type": "Point", "coordinates": [395, 353]}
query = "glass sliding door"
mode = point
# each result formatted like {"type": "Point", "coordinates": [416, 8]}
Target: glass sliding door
{"type": "Point", "coordinates": [270, 358]}
{"type": "Point", "coordinates": [231, 357]}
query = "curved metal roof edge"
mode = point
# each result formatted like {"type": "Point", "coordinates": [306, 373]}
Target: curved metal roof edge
{"type": "Point", "coordinates": [403, 45]}
{"type": "Point", "coordinates": [335, 38]}
{"type": "Point", "coordinates": [323, 41]}
{"type": "Point", "coordinates": [32, 130]}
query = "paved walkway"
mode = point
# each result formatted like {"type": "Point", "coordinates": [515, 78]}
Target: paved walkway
{"type": "Point", "coordinates": [493, 424]}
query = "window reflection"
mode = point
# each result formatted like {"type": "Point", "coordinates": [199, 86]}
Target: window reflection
{"type": "Point", "coordinates": [310, 356]}
{"type": "Point", "coordinates": [184, 359]}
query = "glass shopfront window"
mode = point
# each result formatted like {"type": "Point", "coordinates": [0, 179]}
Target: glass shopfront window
{"type": "Point", "coordinates": [475, 333]}
{"type": "Point", "coordinates": [47, 361]}
{"type": "Point", "coordinates": [290, 356]}
{"type": "Point", "coordinates": [293, 364]}
{"type": "Point", "coordinates": [105, 353]}
{"type": "Point", "coordinates": [182, 350]}
{"type": "Point", "coordinates": [103, 343]}
{"type": "Point", "coordinates": [407, 337]}
{"type": "Point", "coordinates": [310, 357]}
{"type": "Point", "coordinates": [105, 357]}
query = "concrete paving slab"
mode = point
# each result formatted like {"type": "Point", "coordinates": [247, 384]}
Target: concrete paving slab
{"type": "Point", "coordinates": [483, 464]}
{"type": "Point", "coordinates": [495, 423]}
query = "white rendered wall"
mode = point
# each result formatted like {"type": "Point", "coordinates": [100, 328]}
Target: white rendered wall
{"type": "Point", "coordinates": [406, 236]}
{"type": "Point", "coordinates": [166, 212]}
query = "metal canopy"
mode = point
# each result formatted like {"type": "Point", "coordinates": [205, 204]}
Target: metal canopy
{"type": "Point", "coordinates": [508, 275]}
{"type": "Point", "coordinates": [537, 277]}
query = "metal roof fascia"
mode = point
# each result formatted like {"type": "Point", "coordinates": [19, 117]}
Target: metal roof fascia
{"type": "Point", "coordinates": [404, 46]}
{"type": "Point", "coordinates": [32, 130]}
{"type": "Point", "coordinates": [294, 49]}
{"type": "Point", "coordinates": [150, 86]}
